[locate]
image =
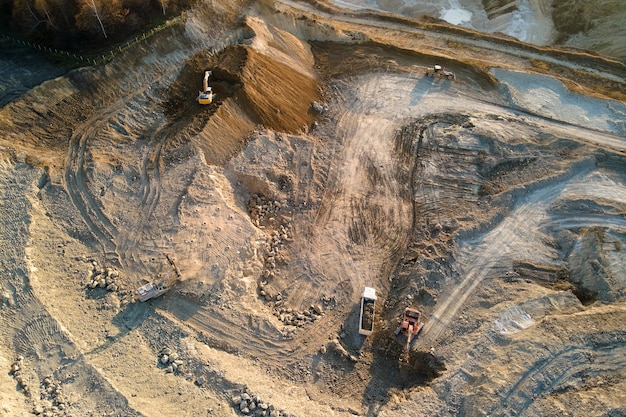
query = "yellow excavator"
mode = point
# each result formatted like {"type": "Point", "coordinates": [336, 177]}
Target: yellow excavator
{"type": "Point", "coordinates": [206, 95]}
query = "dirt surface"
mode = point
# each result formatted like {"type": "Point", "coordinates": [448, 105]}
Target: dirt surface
{"type": "Point", "coordinates": [329, 161]}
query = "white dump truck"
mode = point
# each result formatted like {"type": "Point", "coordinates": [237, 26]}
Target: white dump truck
{"type": "Point", "coordinates": [368, 305]}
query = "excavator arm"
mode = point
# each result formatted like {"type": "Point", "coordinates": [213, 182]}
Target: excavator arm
{"type": "Point", "coordinates": [206, 95]}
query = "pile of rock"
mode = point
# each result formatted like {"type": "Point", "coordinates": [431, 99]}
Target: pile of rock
{"type": "Point", "coordinates": [318, 108]}
{"type": "Point", "coordinates": [99, 277]}
{"type": "Point", "coordinates": [265, 212]}
{"type": "Point", "coordinates": [171, 362]}
{"type": "Point", "coordinates": [53, 402]}
{"type": "Point", "coordinates": [248, 404]}
{"type": "Point", "coordinates": [269, 267]}
{"type": "Point", "coordinates": [17, 370]}
{"type": "Point", "coordinates": [291, 317]}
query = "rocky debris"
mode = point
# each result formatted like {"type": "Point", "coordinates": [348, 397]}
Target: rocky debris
{"type": "Point", "coordinates": [318, 108]}
{"type": "Point", "coordinates": [248, 404]}
{"type": "Point", "coordinates": [329, 302]}
{"type": "Point", "coordinates": [268, 215]}
{"type": "Point", "coordinates": [17, 371]}
{"type": "Point", "coordinates": [53, 401]}
{"type": "Point", "coordinates": [291, 317]}
{"type": "Point", "coordinates": [100, 277]}
{"type": "Point", "coordinates": [108, 279]}
{"type": "Point", "coordinates": [171, 362]}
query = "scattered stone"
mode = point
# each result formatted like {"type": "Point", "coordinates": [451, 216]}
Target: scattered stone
{"type": "Point", "coordinates": [318, 108]}
{"type": "Point", "coordinates": [200, 381]}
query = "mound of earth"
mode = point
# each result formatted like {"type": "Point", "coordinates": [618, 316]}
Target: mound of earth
{"type": "Point", "coordinates": [253, 85]}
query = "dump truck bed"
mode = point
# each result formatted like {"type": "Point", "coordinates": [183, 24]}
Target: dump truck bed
{"type": "Point", "coordinates": [368, 306]}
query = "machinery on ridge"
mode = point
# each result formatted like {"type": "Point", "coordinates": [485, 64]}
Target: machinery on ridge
{"type": "Point", "coordinates": [439, 71]}
{"type": "Point", "coordinates": [206, 96]}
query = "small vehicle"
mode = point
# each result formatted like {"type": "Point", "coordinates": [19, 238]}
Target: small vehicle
{"type": "Point", "coordinates": [439, 71]}
{"type": "Point", "coordinates": [411, 325]}
{"type": "Point", "coordinates": [366, 317]}
{"type": "Point", "coordinates": [162, 285]}
{"type": "Point", "coordinates": [206, 95]}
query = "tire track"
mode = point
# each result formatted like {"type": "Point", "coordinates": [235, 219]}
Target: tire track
{"type": "Point", "coordinates": [254, 340]}
{"type": "Point", "coordinates": [130, 241]}
{"type": "Point", "coordinates": [587, 221]}
{"type": "Point", "coordinates": [28, 326]}
{"type": "Point", "coordinates": [495, 248]}
{"type": "Point", "coordinates": [560, 370]}
{"type": "Point", "coordinates": [92, 214]}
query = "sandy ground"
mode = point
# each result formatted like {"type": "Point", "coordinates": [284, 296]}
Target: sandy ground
{"type": "Point", "coordinates": [494, 203]}
{"type": "Point", "coordinates": [597, 27]}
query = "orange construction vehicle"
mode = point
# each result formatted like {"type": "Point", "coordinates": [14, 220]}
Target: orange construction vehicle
{"type": "Point", "coordinates": [411, 325]}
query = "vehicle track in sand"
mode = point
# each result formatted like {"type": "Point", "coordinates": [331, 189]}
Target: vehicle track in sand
{"type": "Point", "coordinates": [129, 242]}
{"type": "Point", "coordinates": [491, 252]}
{"type": "Point", "coordinates": [29, 329]}
{"type": "Point", "coordinates": [99, 225]}
{"type": "Point", "coordinates": [562, 369]}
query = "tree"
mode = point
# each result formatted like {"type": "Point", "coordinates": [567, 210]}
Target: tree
{"type": "Point", "coordinates": [164, 5]}
{"type": "Point", "coordinates": [27, 14]}
{"type": "Point", "coordinates": [100, 15]}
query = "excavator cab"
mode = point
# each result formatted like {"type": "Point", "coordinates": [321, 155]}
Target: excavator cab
{"type": "Point", "coordinates": [410, 321]}
{"type": "Point", "coordinates": [206, 95]}
{"type": "Point", "coordinates": [410, 326]}
{"type": "Point", "coordinates": [162, 284]}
